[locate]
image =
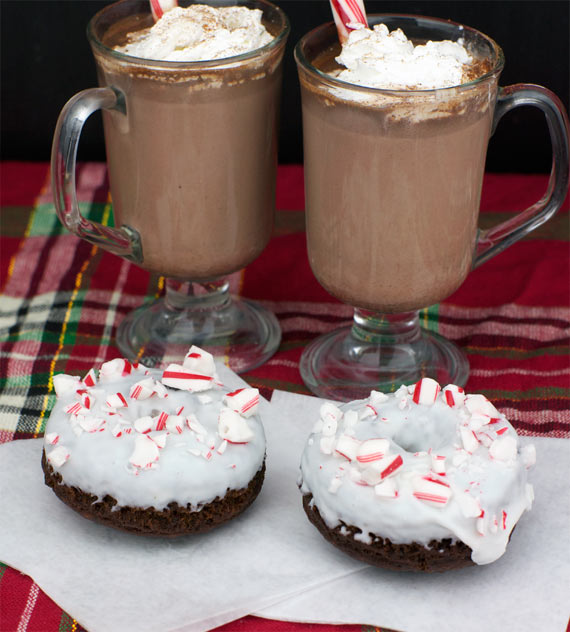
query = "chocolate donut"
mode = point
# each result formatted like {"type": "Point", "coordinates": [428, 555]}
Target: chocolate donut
{"type": "Point", "coordinates": [155, 452]}
{"type": "Point", "coordinates": [425, 479]}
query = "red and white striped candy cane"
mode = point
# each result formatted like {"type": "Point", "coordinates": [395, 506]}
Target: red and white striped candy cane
{"type": "Point", "coordinates": [160, 7]}
{"type": "Point", "coordinates": [346, 13]}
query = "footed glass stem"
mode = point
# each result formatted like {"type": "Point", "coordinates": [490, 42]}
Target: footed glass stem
{"type": "Point", "coordinates": [379, 352]}
{"type": "Point", "coordinates": [241, 332]}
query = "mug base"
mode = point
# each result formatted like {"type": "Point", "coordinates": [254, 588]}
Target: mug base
{"type": "Point", "coordinates": [340, 366]}
{"type": "Point", "coordinates": [240, 332]}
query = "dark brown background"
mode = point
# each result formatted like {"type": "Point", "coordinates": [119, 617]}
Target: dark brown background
{"type": "Point", "coordinates": [46, 59]}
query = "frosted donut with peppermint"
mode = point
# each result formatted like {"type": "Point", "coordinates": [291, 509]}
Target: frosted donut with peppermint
{"type": "Point", "coordinates": [155, 452]}
{"type": "Point", "coordinates": [426, 478]}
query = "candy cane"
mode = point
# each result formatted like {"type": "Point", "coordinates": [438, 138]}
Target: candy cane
{"type": "Point", "coordinates": [346, 14]}
{"type": "Point", "coordinates": [159, 7]}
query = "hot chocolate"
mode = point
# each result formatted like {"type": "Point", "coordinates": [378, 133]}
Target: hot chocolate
{"type": "Point", "coordinates": [192, 165]}
{"type": "Point", "coordinates": [393, 174]}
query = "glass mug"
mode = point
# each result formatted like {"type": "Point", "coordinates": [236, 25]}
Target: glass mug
{"type": "Point", "coordinates": [392, 186]}
{"type": "Point", "coordinates": [192, 157]}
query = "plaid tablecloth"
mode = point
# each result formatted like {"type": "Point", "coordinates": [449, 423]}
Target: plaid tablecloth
{"type": "Point", "coordinates": [62, 299]}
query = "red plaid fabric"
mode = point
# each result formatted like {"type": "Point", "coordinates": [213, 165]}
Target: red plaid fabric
{"type": "Point", "coordinates": [61, 301]}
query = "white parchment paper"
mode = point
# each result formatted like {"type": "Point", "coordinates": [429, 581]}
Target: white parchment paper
{"type": "Point", "coordinates": [272, 561]}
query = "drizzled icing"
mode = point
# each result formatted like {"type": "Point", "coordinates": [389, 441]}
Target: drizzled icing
{"type": "Point", "coordinates": [124, 433]}
{"type": "Point", "coordinates": [418, 465]}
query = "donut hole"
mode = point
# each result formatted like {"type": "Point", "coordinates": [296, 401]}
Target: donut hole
{"type": "Point", "coordinates": [423, 434]}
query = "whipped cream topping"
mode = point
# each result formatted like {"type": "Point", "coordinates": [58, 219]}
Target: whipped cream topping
{"type": "Point", "coordinates": [378, 58]}
{"type": "Point", "coordinates": [418, 465]}
{"type": "Point", "coordinates": [149, 437]}
{"type": "Point", "coordinates": [199, 33]}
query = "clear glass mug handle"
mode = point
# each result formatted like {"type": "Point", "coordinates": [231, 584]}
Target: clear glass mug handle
{"type": "Point", "coordinates": [123, 241]}
{"type": "Point", "coordinates": [496, 239]}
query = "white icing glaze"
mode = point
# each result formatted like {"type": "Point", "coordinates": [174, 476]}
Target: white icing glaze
{"type": "Point", "coordinates": [414, 472]}
{"type": "Point", "coordinates": [160, 448]}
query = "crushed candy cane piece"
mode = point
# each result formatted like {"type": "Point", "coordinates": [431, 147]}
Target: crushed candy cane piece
{"type": "Point", "coordinates": [204, 399]}
{"type": "Point", "coordinates": [58, 456]}
{"type": "Point", "coordinates": [116, 400]}
{"type": "Point", "coordinates": [114, 369]}
{"type": "Point", "coordinates": [200, 361]}
{"type": "Point", "coordinates": [144, 424]}
{"type": "Point", "coordinates": [74, 409]}
{"type": "Point", "coordinates": [347, 447]}
{"type": "Point", "coordinates": [504, 448]}
{"type": "Point", "coordinates": [480, 404]}
{"type": "Point", "coordinates": [90, 379]}
{"type": "Point", "coordinates": [426, 391]}
{"type": "Point", "coordinates": [377, 398]}
{"type": "Point", "coordinates": [145, 454]}
{"type": "Point", "coordinates": [431, 491]}
{"type": "Point", "coordinates": [454, 395]}
{"type": "Point", "coordinates": [144, 389]}
{"type": "Point", "coordinates": [160, 421]}
{"type": "Point", "coordinates": [438, 463]}
{"type": "Point", "coordinates": [87, 400]}
{"type": "Point", "coordinates": [90, 423]}
{"type": "Point", "coordinates": [233, 427]}
{"type": "Point", "coordinates": [372, 450]}
{"type": "Point", "coordinates": [160, 390]}
{"type": "Point", "coordinates": [51, 438]}
{"type": "Point", "coordinates": [175, 424]}
{"type": "Point", "coordinates": [182, 378]}
{"type": "Point", "coordinates": [381, 469]}
{"type": "Point", "coordinates": [329, 411]}
{"type": "Point", "coordinates": [65, 384]}
{"type": "Point", "coordinates": [469, 439]}
{"type": "Point", "coordinates": [159, 438]}
{"type": "Point", "coordinates": [368, 411]}
{"type": "Point", "coordinates": [244, 401]}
